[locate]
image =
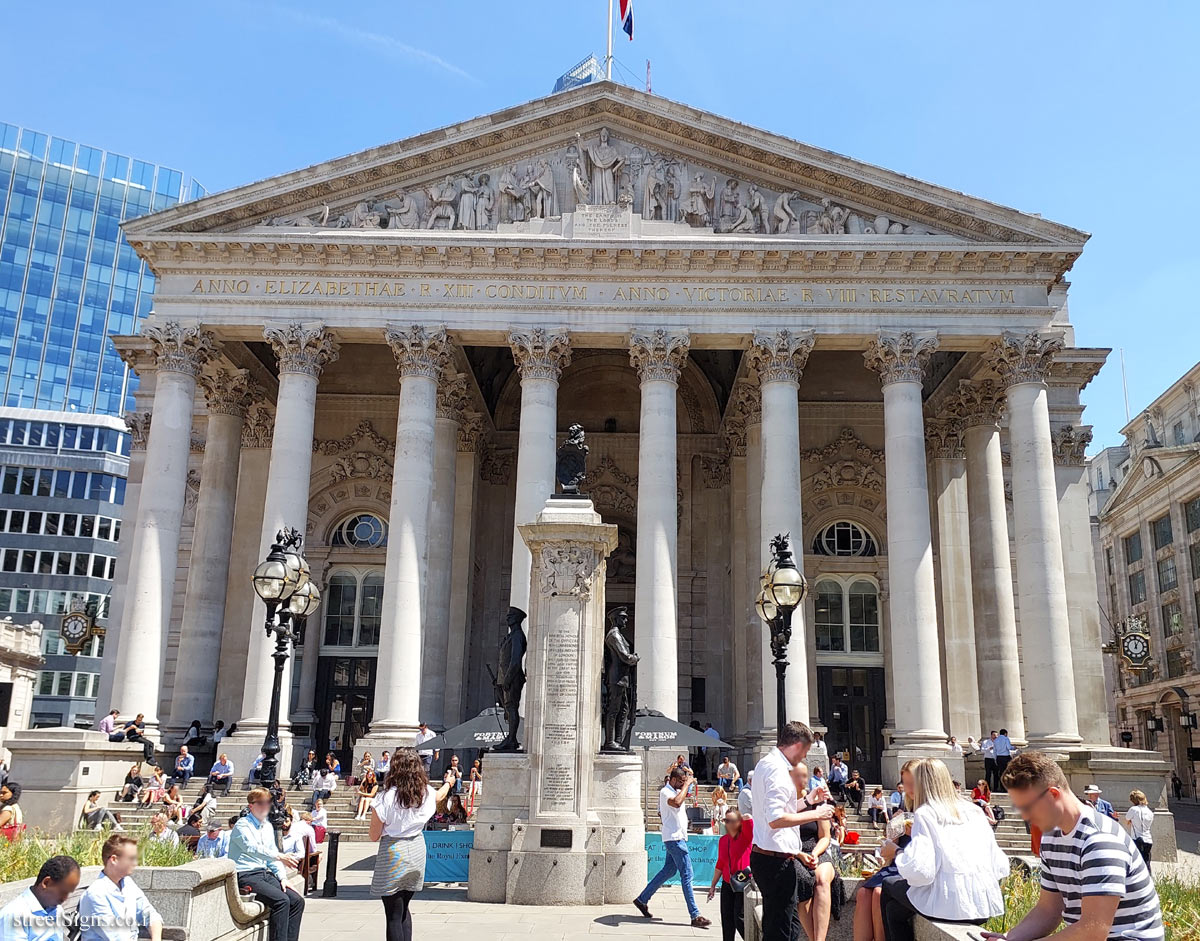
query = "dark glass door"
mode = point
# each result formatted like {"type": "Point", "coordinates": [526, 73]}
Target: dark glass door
{"type": "Point", "coordinates": [854, 706]}
{"type": "Point", "coordinates": [345, 698]}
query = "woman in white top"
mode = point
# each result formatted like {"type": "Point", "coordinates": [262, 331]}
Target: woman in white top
{"type": "Point", "coordinates": [399, 813]}
{"type": "Point", "coordinates": [320, 816]}
{"type": "Point", "coordinates": [1140, 819]}
{"type": "Point", "coordinates": [951, 870]}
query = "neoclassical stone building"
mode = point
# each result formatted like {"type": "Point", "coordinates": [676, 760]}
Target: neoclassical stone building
{"type": "Point", "coordinates": [758, 337]}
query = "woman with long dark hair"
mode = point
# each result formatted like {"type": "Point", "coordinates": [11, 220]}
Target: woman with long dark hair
{"type": "Point", "coordinates": [398, 815]}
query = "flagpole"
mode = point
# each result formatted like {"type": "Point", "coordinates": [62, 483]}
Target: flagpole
{"type": "Point", "coordinates": [608, 58]}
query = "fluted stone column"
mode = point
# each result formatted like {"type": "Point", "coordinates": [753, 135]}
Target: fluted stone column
{"type": "Point", "coordinates": [228, 395]}
{"type": "Point", "coordinates": [180, 352]}
{"type": "Point", "coordinates": [462, 571]}
{"type": "Point", "coordinates": [421, 355]}
{"type": "Point", "coordinates": [1079, 567]}
{"type": "Point", "coordinates": [944, 438]}
{"type": "Point", "coordinates": [452, 398]}
{"type": "Point", "coordinates": [997, 657]}
{"type": "Point", "coordinates": [734, 432]}
{"type": "Point", "coordinates": [303, 350]}
{"type": "Point", "coordinates": [541, 355]}
{"type": "Point", "coordinates": [760, 698]}
{"type": "Point", "coordinates": [779, 357]}
{"type": "Point", "coordinates": [658, 356]}
{"type": "Point", "coordinates": [900, 359]}
{"type": "Point", "coordinates": [1021, 360]}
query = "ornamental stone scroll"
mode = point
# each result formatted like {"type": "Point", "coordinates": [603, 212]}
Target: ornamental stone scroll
{"type": "Point", "coordinates": [419, 351]}
{"type": "Point", "coordinates": [230, 393]}
{"type": "Point", "coordinates": [138, 424]}
{"type": "Point", "coordinates": [180, 348]}
{"type": "Point", "coordinates": [900, 357]}
{"type": "Point", "coordinates": [780, 356]}
{"type": "Point", "coordinates": [258, 429]}
{"type": "Point", "coordinates": [1019, 358]}
{"type": "Point", "coordinates": [977, 402]}
{"type": "Point", "coordinates": [659, 354]}
{"type": "Point", "coordinates": [540, 353]}
{"type": "Point", "coordinates": [1070, 445]}
{"type": "Point", "coordinates": [302, 348]}
{"type": "Point", "coordinates": [453, 397]}
{"type": "Point", "coordinates": [570, 569]}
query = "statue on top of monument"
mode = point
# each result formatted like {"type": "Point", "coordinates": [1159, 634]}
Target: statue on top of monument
{"type": "Point", "coordinates": [511, 678]}
{"type": "Point", "coordinates": [620, 683]}
{"type": "Point", "coordinates": [570, 466]}
{"type": "Point", "coordinates": [605, 164]}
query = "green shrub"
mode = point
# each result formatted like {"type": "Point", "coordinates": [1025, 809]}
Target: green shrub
{"type": "Point", "coordinates": [23, 858]}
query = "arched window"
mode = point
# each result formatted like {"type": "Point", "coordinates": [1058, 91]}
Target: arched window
{"type": "Point", "coordinates": [353, 606]}
{"type": "Point", "coordinates": [844, 538]}
{"type": "Point", "coordinates": [846, 617]}
{"type": "Point", "coordinates": [361, 531]}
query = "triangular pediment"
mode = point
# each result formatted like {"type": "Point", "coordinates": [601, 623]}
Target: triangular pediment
{"type": "Point", "coordinates": [1150, 469]}
{"type": "Point", "coordinates": [687, 172]}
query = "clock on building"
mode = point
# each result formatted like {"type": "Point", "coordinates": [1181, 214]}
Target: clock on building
{"type": "Point", "coordinates": [77, 628]}
{"type": "Point", "coordinates": [1135, 642]}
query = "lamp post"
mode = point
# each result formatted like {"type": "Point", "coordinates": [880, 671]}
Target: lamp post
{"type": "Point", "coordinates": [282, 581]}
{"type": "Point", "coordinates": [783, 590]}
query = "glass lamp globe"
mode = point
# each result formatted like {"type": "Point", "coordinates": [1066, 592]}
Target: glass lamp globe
{"type": "Point", "coordinates": [304, 600]}
{"type": "Point", "coordinates": [273, 580]}
{"type": "Point", "coordinates": [766, 608]}
{"type": "Point", "coordinates": [787, 587]}
{"type": "Point", "coordinates": [298, 566]}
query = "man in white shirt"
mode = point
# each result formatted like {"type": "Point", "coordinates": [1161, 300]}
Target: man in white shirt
{"type": "Point", "coordinates": [672, 810]}
{"type": "Point", "coordinates": [818, 754]}
{"type": "Point", "coordinates": [113, 908]}
{"type": "Point", "coordinates": [988, 749]}
{"type": "Point", "coordinates": [427, 755]}
{"type": "Point", "coordinates": [36, 914]}
{"type": "Point", "coordinates": [381, 765]}
{"type": "Point", "coordinates": [712, 753]}
{"type": "Point", "coordinates": [778, 813]}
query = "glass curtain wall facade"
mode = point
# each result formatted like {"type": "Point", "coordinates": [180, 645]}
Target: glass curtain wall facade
{"type": "Point", "coordinates": [68, 280]}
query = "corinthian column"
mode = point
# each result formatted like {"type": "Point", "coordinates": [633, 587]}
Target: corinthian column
{"type": "Point", "coordinates": [303, 350]}
{"type": "Point", "coordinates": [900, 359]}
{"type": "Point", "coordinates": [658, 356]}
{"type": "Point", "coordinates": [179, 354]}
{"type": "Point", "coordinates": [1021, 361]}
{"type": "Point", "coordinates": [997, 658]}
{"type": "Point", "coordinates": [228, 396]}
{"type": "Point", "coordinates": [421, 354]}
{"type": "Point", "coordinates": [779, 358]}
{"type": "Point", "coordinates": [541, 356]}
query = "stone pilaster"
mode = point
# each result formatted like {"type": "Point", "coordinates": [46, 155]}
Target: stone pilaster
{"type": "Point", "coordinates": [658, 356]}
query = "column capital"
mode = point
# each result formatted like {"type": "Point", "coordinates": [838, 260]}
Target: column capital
{"type": "Point", "coordinates": [943, 438]}
{"type": "Point", "coordinates": [138, 424]}
{"type": "Point", "coordinates": [1070, 443]}
{"type": "Point", "coordinates": [1024, 357]}
{"type": "Point", "coordinates": [977, 402]}
{"type": "Point", "coordinates": [419, 351]}
{"type": "Point", "coordinates": [470, 432]}
{"type": "Point", "coordinates": [744, 409]}
{"type": "Point", "coordinates": [540, 353]}
{"type": "Point", "coordinates": [230, 392]}
{"type": "Point", "coordinates": [258, 430]}
{"type": "Point", "coordinates": [659, 354]}
{"type": "Point", "coordinates": [452, 395]}
{"type": "Point", "coordinates": [900, 357]}
{"type": "Point", "coordinates": [780, 355]}
{"type": "Point", "coordinates": [181, 348]}
{"type": "Point", "coordinates": [302, 348]}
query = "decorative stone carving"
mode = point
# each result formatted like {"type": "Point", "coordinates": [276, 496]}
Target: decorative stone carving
{"type": "Point", "coordinates": [475, 203]}
{"type": "Point", "coordinates": [697, 207]}
{"type": "Point", "coordinates": [470, 431]}
{"type": "Point", "coordinates": [568, 570]}
{"type": "Point", "coordinates": [944, 438]}
{"type": "Point", "coordinates": [496, 466]}
{"type": "Point", "coordinates": [744, 409]}
{"type": "Point", "coordinates": [900, 357]}
{"type": "Point", "coordinates": [570, 462]}
{"type": "Point", "coordinates": [230, 393]}
{"type": "Point", "coordinates": [362, 215]}
{"type": "Point", "coordinates": [716, 470]}
{"type": "Point", "coordinates": [402, 211]}
{"type": "Point", "coordinates": [180, 348]}
{"type": "Point", "coordinates": [539, 185]}
{"type": "Point", "coordinates": [513, 197]}
{"type": "Point", "coordinates": [780, 355]}
{"type": "Point", "coordinates": [1070, 445]}
{"type": "Point", "coordinates": [841, 475]}
{"type": "Point", "coordinates": [977, 402]}
{"type": "Point", "coordinates": [847, 444]}
{"type": "Point", "coordinates": [1024, 357]}
{"type": "Point", "coordinates": [259, 427]}
{"type": "Point", "coordinates": [728, 206]}
{"type": "Point", "coordinates": [419, 351]}
{"type": "Point", "coordinates": [783, 215]}
{"type": "Point", "coordinates": [138, 424]}
{"type": "Point", "coordinates": [453, 396]}
{"type": "Point", "coordinates": [192, 492]}
{"type": "Point", "coordinates": [361, 464]}
{"type": "Point", "coordinates": [302, 348]}
{"type": "Point", "coordinates": [601, 164]}
{"type": "Point", "coordinates": [441, 203]}
{"type": "Point", "coordinates": [196, 444]}
{"type": "Point", "coordinates": [540, 353]}
{"type": "Point", "coordinates": [612, 497]}
{"type": "Point", "coordinates": [365, 431]}
{"type": "Point", "coordinates": [659, 354]}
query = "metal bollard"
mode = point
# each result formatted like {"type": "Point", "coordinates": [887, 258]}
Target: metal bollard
{"type": "Point", "coordinates": [329, 889]}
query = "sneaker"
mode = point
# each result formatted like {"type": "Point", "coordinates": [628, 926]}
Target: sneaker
{"type": "Point", "coordinates": [700, 922]}
{"type": "Point", "coordinates": [643, 908]}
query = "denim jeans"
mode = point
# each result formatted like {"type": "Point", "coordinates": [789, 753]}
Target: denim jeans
{"type": "Point", "coordinates": [678, 861]}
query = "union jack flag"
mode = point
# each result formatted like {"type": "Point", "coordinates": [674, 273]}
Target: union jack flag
{"type": "Point", "coordinates": [627, 17]}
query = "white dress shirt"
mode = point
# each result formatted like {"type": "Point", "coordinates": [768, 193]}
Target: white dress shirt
{"type": "Point", "coordinates": [674, 819]}
{"type": "Point", "coordinates": [403, 822]}
{"type": "Point", "coordinates": [113, 911]}
{"type": "Point", "coordinates": [24, 919]}
{"type": "Point", "coordinates": [988, 747]}
{"type": "Point", "coordinates": [774, 794]}
{"type": "Point", "coordinates": [422, 738]}
{"type": "Point", "coordinates": [953, 869]}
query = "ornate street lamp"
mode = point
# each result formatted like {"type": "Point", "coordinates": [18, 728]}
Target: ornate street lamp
{"type": "Point", "coordinates": [282, 581]}
{"type": "Point", "coordinates": [783, 590]}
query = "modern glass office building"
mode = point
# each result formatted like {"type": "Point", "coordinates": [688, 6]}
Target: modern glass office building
{"type": "Point", "coordinates": [68, 280]}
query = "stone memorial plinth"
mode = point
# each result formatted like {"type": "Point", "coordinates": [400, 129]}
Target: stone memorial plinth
{"type": "Point", "coordinates": [1117, 771]}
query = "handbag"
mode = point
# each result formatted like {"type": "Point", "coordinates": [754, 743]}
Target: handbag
{"type": "Point", "coordinates": [738, 880]}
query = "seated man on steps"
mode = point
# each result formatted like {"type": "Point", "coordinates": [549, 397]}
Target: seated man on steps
{"type": "Point", "coordinates": [263, 870]}
{"type": "Point", "coordinates": [185, 766]}
{"type": "Point", "coordinates": [221, 775]}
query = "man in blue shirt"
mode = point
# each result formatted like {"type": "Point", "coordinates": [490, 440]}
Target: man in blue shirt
{"type": "Point", "coordinates": [897, 799]}
{"type": "Point", "coordinates": [1003, 749]}
{"type": "Point", "coordinates": [185, 766]}
{"type": "Point", "coordinates": [114, 908]}
{"type": "Point", "coordinates": [262, 869]}
{"type": "Point", "coordinates": [221, 774]}
{"type": "Point", "coordinates": [214, 843]}
{"type": "Point", "coordinates": [712, 753]}
{"type": "Point", "coordinates": [36, 914]}
{"type": "Point", "coordinates": [837, 777]}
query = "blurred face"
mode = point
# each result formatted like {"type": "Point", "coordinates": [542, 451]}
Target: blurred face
{"type": "Point", "coordinates": [906, 779]}
{"type": "Point", "coordinates": [454, 762]}
{"type": "Point", "coordinates": [733, 823]}
{"type": "Point", "coordinates": [800, 778]}
{"type": "Point", "coordinates": [261, 808]}
{"type": "Point", "coordinates": [158, 825]}
{"type": "Point", "coordinates": [1036, 806]}
{"type": "Point", "coordinates": [122, 863]}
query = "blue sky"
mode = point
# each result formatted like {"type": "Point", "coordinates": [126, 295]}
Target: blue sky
{"type": "Point", "coordinates": [1088, 113]}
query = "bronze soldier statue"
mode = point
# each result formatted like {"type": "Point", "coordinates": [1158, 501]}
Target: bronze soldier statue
{"type": "Point", "coordinates": [511, 679]}
{"type": "Point", "coordinates": [620, 683]}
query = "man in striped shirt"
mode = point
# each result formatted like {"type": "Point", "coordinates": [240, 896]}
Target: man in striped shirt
{"type": "Point", "coordinates": [1093, 879]}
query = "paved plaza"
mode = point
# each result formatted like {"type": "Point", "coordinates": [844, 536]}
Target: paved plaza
{"type": "Point", "coordinates": [354, 915]}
